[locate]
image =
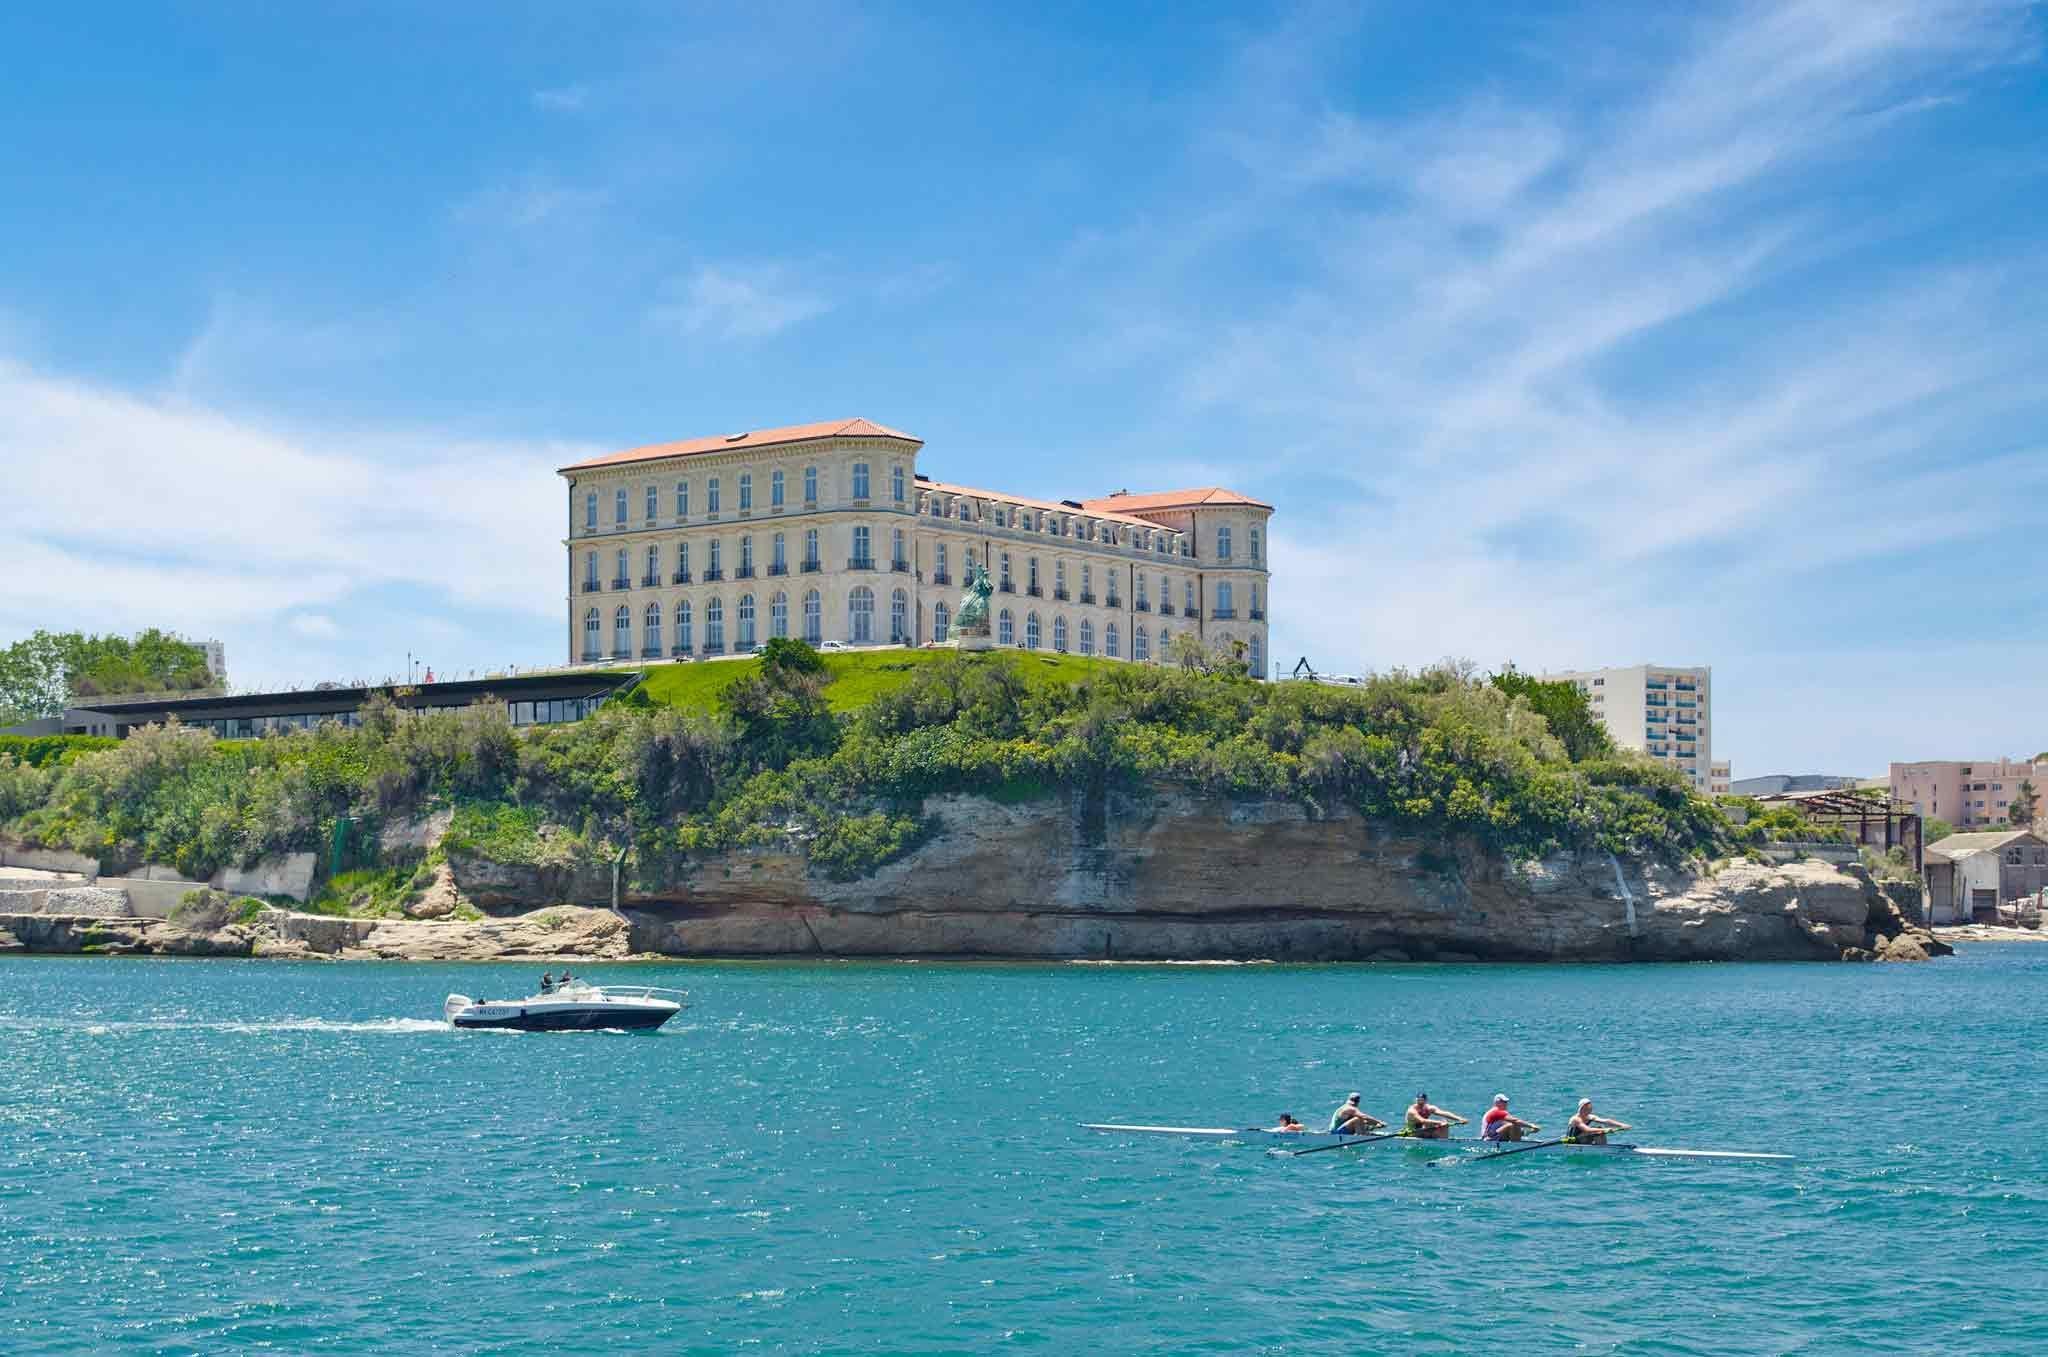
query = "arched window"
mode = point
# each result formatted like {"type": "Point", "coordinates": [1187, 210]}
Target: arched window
{"type": "Point", "coordinates": [746, 491]}
{"type": "Point", "coordinates": [653, 501]}
{"type": "Point", "coordinates": [778, 615]}
{"type": "Point", "coordinates": [860, 615]}
{"type": "Point", "coordinates": [1164, 637]}
{"type": "Point", "coordinates": [682, 499]}
{"type": "Point", "coordinates": [860, 480]}
{"type": "Point", "coordinates": [714, 626]}
{"type": "Point", "coordinates": [940, 619]}
{"type": "Point", "coordinates": [1223, 543]}
{"type": "Point", "coordinates": [811, 549]}
{"type": "Point", "coordinates": [622, 631]}
{"type": "Point", "coordinates": [683, 641]}
{"type": "Point", "coordinates": [896, 483]}
{"type": "Point", "coordinates": [897, 560]}
{"type": "Point", "coordinates": [1141, 645]}
{"type": "Point", "coordinates": [1258, 658]}
{"type": "Point", "coordinates": [1031, 631]}
{"type": "Point", "coordinates": [775, 490]}
{"type": "Point", "coordinates": [746, 621]}
{"type": "Point", "coordinates": [590, 511]}
{"type": "Point", "coordinates": [650, 638]}
{"type": "Point", "coordinates": [810, 485]}
{"type": "Point", "coordinates": [711, 495]}
{"type": "Point", "coordinates": [1059, 634]}
{"type": "Point", "coordinates": [1109, 646]}
{"type": "Point", "coordinates": [619, 505]}
{"type": "Point", "coordinates": [814, 617]}
{"type": "Point", "coordinates": [899, 618]}
{"type": "Point", "coordinates": [1223, 608]}
{"type": "Point", "coordinates": [1087, 637]}
{"type": "Point", "coordinates": [593, 634]}
{"type": "Point", "coordinates": [1006, 628]}
{"type": "Point", "coordinates": [1255, 546]}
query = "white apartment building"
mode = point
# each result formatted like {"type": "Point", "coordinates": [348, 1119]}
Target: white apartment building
{"type": "Point", "coordinates": [828, 532]}
{"type": "Point", "coordinates": [1666, 711]}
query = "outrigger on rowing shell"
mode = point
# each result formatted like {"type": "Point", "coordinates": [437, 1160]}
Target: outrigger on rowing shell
{"type": "Point", "coordinates": [569, 1006]}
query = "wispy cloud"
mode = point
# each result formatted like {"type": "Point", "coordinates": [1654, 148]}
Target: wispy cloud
{"type": "Point", "coordinates": [736, 302]}
{"type": "Point", "coordinates": [562, 99]}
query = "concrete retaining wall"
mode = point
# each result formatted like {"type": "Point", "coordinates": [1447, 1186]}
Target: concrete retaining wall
{"type": "Point", "coordinates": [49, 860]}
{"type": "Point", "coordinates": [150, 898]}
{"type": "Point", "coordinates": [288, 874]}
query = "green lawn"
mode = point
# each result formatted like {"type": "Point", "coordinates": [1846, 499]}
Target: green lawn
{"type": "Point", "coordinates": [857, 677]}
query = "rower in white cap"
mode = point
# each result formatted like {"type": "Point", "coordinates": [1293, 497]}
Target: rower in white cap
{"type": "Point", "coordinates": [1501, 1124]}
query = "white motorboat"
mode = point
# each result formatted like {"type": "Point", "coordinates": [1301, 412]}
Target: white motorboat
{"type": "Point", "coordinates": [577, 1006]}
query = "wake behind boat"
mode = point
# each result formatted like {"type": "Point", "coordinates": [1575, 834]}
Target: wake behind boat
{"type": "Point", "coordinates": [577, 1006]}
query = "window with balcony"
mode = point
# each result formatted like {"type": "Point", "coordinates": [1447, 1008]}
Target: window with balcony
{"type": "Point", "coordinates": [860, 480]}
{"type": "Point", "coordinates": [589, 572]}
{"type": "Point", "coordinates": [620, 578]}
{"type": "Point", "coordinates": [682, 563]}
{"type": "Point", "coordinates": [863, 554]}
{"type": "Point", "coordinates": [1224, 611]}
{"type": "Point", "coordinates": [1031, 577]}
{"type": "Point", "coordinates": [1188, 606]}
{"type": "Point", "coordinates": [746, 571]}
{"type": "Point", "coordinates": [1004, 582]}
{"type": "Point", "coordinates": [814, 617]}
{"type": "Point", "coordinates": [860, 615]}
{"type": "Point", "coordinates": [811, 549]}
{"type": "Point", "coordinates": [1144, 605]}
{"type": "Point", "coordinates": [778, 615]}
{"type": "Point", "coordinates": [652, 575]}
{"type": "Point", "coordinates": [710, 507]}
{"type": "Point", "coordinates": [714, 561]}
{"type": "Point", "coordinates": [1258, 613]}
{"type": "Point", "coordinates": [778, 561]}
{"type": "Point", "coordinates": [775, 490]}
{"type": "Point", "coordinates": [899, 558]}
{"type": "Point", "coordinates": [939, 575]}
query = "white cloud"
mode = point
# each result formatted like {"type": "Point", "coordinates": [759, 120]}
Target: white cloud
{"type": "Point", "coordinates": [314, 626]}
{"type": "Point", "coordinates": [562, 99]}
{"type": "Point", "coordinates": [736, 302]}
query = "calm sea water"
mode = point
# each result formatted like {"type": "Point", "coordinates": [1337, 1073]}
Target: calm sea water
{"type": "Point", "coordinates": [213, 1155]}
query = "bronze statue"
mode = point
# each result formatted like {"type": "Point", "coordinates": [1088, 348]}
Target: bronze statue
{"type": "Point", "coordinates": [972, 619]}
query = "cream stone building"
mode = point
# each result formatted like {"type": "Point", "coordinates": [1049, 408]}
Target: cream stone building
{"type": "Point", "coordinates": [827, 532]}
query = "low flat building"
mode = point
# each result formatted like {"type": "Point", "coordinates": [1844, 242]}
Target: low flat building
{"type": "Point", "coordinates": [1969, 793]}
{"type": "Point", "coordinates": [1971, 877]}
{"type": "Point", "coordinates": [1771, 784]}
{"type": "Point", "coordinates": [528, 699]}
{"type": "Point", "coordinates": [1665, 711]}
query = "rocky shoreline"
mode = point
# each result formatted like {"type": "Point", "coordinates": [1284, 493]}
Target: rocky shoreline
{"type": "Point", "coordinates": [1174, 878]}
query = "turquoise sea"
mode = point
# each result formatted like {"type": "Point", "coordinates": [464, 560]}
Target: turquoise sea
{"type": "Point", "coordinates": [205, 1156]}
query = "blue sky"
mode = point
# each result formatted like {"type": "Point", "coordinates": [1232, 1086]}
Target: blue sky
{"type": "Point", "coordinates": [1560, 335]}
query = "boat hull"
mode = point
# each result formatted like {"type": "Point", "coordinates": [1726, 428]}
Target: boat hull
{"type": "Point", "coordinates": [563, 1018]}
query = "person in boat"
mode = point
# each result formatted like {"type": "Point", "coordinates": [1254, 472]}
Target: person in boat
{"type": "Point", "coordinates": [1289, 1126]}
{"type": "Point", "coordinates": [1587, 1129]}
{"type": "Point", "coordinates": [1351, 1120]}
{"type": "Point", "coordinates": [1501, 1124]}
{"type": "Point", "coordinates": [1426, 1121]}
{"type": "Point", "coordinates": [547, 982]}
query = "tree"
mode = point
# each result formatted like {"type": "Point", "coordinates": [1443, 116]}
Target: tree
{"type": "Point", "coordinates": [1933, 831]}
{"type": "Point", "coordinates": [1568, 711]}
{"type": "Point", "coordinates": [780, 711]}
{"type": "Point", "coordinates": [2026, 804]}
{"type": "Point", "coordinates": [41, 675]}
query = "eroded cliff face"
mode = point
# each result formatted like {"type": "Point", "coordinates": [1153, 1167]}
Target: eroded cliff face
{"type": "Point", "coordinates": [1180, 877]}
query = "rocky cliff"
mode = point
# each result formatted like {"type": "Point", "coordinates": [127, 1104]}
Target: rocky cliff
{"type": "Point", "coordinates": [1172, 877]}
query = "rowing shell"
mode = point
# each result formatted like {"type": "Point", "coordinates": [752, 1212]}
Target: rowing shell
{"type": "Point", "coordinates": [1492, 1149]}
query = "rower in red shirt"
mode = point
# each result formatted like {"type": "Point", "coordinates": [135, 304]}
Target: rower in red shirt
{"type": "Point", "coordinates": [1500, 1124]}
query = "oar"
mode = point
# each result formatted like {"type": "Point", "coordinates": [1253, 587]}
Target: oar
{"type": "Point", "coordinates": [1349, 1144]}
{"type": "Point", "coordinates": [1524, 1149]}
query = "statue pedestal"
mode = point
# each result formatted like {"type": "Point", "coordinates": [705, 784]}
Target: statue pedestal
{"type": "Point", "coordinates": [981, 642]}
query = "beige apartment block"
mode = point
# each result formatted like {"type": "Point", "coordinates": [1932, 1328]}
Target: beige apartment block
{"type": "Point", "coordinates": [1666, 711]}
{"type": "Point", "coordinates": [1720, 776]}
{"type": "Point", "coordinates": [1968, 793]}
{"type": "Point", "coordinates": [829, 533]}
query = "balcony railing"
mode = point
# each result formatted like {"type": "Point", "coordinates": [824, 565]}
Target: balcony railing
{"type": "Point", "coordinates": [681, 577]}
{"type": "Point", "coordinates": [714, 647]}
{"type": "Point", "coordinates": [860, 563]}
{"type": "Point", "coordinates": [900, 567]}
{"type": "Point", "coordinates": [650, 581]}
{"type": "Point", "coordinates": [1006, 587]}
{"type": "Point", "coordinates": [1166, 610]}
{"type": "Point", "coordinates": [779, 568]}
{"type": "Point", "coordinates": [591, 586]}
{"type": "Point", "coordinates": [590, 657]}
{"type": "Point", "coordinates": [1686, 687]}
{"type": "Point", "coordinates": [812, 567]}
{"type": "Point", "coordinates": [745, 572]}
{"type": "Point", "coordinates": [622, 583]}
{"type": "Point", "coordinates": [1087, 597]}
{"type": "Point", "coordinates": [1034, 591]}
{"type": "Point", "coordinates": [1657, 685]}
{"type": "Point", "coordinates": [713, 576]}
{"type": "Point", "coordinates": [941, 577]}
{"type": "Point", "coordinates": [1224, 614]}
{"type": "Point", "coordinates": [1143, 606]}
{"type": "Point", "coordinates": [680, 648]}
{"type": "Point", "coordinates": [622, 652]}
{"type": "Point", "coordinates": [1257, 614]}
{"type": "Point", "coordinates": [1111, 602]}
{"type": "Point", "coordinates": [650, 652]}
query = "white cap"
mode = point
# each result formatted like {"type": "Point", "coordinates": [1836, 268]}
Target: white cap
{"type": "Point", "coordinates": [1500, 1097]}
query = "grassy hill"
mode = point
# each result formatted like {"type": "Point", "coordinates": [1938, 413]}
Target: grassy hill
{"type": "Point", "coordinates": [854, 677]}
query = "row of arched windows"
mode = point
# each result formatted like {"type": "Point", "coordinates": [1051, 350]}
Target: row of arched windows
{"type": "Point", "coordinates": [861, 626]}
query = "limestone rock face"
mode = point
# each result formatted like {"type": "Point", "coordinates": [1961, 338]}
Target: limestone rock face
{"type": "Point", "coordinates": [562, 931]}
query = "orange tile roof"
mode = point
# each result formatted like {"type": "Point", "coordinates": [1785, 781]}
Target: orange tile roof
{"type": "Point", "coordinates": [756, 438]}
{"type": "Point", "coordinates": [1172, 499]}
{"type": "Point", "coordinates": [1005, 497]}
